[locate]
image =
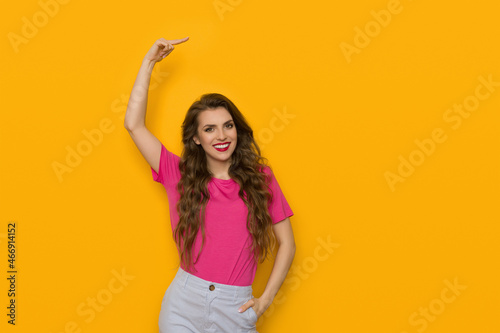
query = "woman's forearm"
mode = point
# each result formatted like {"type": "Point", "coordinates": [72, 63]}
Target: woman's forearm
{"type": "Point", "coordinates": [282, 263]}
{"type": "Point", "coordinates": [137, 103]}
{"type": "Point", "coordinates": [136, 109]}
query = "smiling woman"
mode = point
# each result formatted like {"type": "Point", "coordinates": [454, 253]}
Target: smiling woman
{"type": "Point", "coordinates": [227, 211]}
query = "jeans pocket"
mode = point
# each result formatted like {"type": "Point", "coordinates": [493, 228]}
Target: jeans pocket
{"type": "Point", "coordinates": [253, 315]}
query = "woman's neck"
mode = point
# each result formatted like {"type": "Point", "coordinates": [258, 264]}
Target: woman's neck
{"type": "Point", "coordinates": [219, 169]}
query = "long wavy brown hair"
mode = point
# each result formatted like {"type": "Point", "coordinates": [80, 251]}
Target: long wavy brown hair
{"type": "Point", "coordinates": [246, 169]}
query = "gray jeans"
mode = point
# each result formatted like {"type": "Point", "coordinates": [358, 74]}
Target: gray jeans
{"type": "Point", "coordinates": [192, 304]}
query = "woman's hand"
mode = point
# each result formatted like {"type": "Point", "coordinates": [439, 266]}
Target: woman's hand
{"type": "Point", "coordinates": [162, 48]}
{"type": "Point", "coordinates": [259, 305]}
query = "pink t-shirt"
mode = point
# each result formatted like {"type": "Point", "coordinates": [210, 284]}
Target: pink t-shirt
{"type": "Point", "coordinates": [225, 258]}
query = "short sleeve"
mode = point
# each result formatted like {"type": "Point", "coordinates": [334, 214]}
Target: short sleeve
{"type": "Point", "coordinates": [278, 208]}
{"type": "Point", "coordinates": [168, 168]}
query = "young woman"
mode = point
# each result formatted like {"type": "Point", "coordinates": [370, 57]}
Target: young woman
{"type": "Point", "coordinates": [226, 209]}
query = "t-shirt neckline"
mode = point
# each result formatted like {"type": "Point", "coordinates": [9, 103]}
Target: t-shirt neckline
{"type": "Point", "coordinates": [230, 180]}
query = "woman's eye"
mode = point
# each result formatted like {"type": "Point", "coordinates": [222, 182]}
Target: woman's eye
{"type": "Point", "coordinates": [210, 128]}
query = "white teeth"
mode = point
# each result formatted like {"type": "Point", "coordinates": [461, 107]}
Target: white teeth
{"type": "Point", "coordinates": [222, 146]}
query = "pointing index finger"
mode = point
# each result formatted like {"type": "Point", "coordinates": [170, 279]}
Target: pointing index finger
{"type": "Point", "coordinates": [178, 41]}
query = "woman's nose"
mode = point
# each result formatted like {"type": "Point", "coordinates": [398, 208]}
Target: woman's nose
{"type": "Point", "coordinates": [221, 135]}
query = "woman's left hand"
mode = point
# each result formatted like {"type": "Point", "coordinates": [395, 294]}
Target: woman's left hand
{"type": "Point", "coordinates": [259, 305]}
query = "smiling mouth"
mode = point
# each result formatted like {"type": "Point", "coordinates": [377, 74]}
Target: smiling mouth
{"type": "Point", "coordinates": [222, 146]}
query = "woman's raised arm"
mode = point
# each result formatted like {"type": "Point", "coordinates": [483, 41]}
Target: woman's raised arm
{"type": "Point", "coordinates": [135, 117]}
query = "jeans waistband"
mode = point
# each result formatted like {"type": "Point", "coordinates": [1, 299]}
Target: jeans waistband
{"type": "Point", "coordinates": [188, 279]}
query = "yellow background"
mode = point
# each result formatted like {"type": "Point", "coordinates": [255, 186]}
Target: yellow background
{"type": "Point", "coordinates": [350, 118]}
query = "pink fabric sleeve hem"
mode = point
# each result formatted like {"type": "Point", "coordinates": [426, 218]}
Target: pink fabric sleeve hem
{"type": "Point", "coordinates": [158, 176]}
{"type": "Point", "coordinates": [282, 217]}
{"type": "Point", "coordinates": [279, 209]}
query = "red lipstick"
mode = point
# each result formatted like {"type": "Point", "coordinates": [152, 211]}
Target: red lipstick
{"type": "Point", "coordinates": [222, 146]}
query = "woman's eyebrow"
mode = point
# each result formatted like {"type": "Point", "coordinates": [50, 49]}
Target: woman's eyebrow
{"type": "Point", "coordinates": [211, 125]}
